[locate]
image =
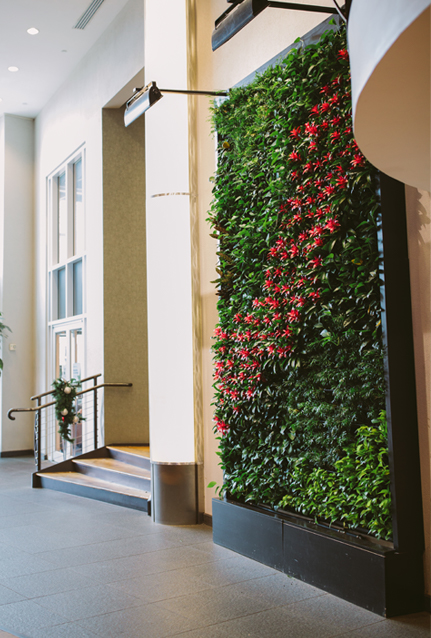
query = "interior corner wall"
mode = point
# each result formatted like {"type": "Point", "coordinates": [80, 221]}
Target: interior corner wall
{"type": "Point", "coordinates": [262, 39]}
{"type": "Point", "coordinates": [124, 279]}
{"type": "Point", "coordinates": [17, 284]}
{"type": "Point", "coordinates": [418, 205]}
{"type": "Point", "coordinates": [71, 119]}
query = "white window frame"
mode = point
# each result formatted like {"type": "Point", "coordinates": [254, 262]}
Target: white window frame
{"type": "Point", "coordinates": [53, 265]}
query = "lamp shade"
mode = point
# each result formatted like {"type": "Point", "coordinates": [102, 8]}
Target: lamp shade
{"type": "Point", "coordinates": [140, 102]}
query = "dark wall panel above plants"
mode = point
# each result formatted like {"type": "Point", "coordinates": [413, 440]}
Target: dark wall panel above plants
{"type": "Point", "coordinates": [299, 380]}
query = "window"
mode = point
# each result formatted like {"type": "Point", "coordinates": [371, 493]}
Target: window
{"type": "Point", "coordinates": [67, 240]}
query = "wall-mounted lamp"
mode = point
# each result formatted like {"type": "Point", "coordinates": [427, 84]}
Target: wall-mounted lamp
{"type": "Point", "coordinates": [241, 12]}
{"type": "Point", "coordinates": [144, 98]}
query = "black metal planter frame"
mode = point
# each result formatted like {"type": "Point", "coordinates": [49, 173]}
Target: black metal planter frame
{"type": "Point", "coordinates": [386, 578]}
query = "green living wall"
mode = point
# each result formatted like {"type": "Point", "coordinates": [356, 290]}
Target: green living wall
{"type": "Point", "coordinates": [299, 382]}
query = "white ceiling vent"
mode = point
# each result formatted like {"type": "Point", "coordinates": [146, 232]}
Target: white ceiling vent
{"type": "Point", "coordinates": [88, 14]}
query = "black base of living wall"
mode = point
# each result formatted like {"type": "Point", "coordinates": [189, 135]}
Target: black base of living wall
{"type": "Point", "coordinates": [363, 571]}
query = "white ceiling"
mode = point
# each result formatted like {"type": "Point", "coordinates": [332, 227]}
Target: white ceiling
{"type": "Point", "coordinates": [44, 60]}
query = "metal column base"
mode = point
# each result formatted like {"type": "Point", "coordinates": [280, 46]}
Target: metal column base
{"type": "Point", "coordinates": [175, 493]}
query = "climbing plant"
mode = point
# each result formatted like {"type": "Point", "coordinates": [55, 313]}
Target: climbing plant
{"type": "Point", "coordinates": [299, 384]}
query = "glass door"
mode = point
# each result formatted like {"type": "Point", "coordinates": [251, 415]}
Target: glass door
{"type": "Point", "coordinates": [69, 363]}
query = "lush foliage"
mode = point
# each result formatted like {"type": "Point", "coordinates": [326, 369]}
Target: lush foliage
{"type": "Point", "coordinates": [298, 355]}
{"type": "Point", "coordinates": [64, 394]}
{"type": "Point", "coordinates": [3, 327]}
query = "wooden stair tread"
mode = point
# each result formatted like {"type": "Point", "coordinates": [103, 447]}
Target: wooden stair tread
{"type": "Point", "coordinates": [91, 481]}
{"type": "Point", "coordinates": [137, 450]}
{"type": "Point", "coordinates": [114, 466]}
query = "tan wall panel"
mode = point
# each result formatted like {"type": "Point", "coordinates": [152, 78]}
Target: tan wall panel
{"type": "Point", "coordinates": [124, 279]}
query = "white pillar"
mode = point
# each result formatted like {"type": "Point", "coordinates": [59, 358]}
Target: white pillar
{"type": "Point", "coordinates": [169, 263]}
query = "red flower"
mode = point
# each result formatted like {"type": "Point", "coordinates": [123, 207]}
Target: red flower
{"type": "Point", "coordinates": [307, 167]}
{"type": "Point", "coordinates": [341, 181]}
{"type": "Point", "coordinates": [335, 120]}
{"type": "Point", "coordinates": [335, 136]}
{"type": "Point", "coordinates": [329, 190]}
{"type": "Point", "coordinates": [295, 133]}
{"type": "Point", "coordinates": [313, 147]}
{"type": "Point", "coordinates": [293, 315]}
{"type": "Point", "coordinates": [315, 110]}
{"type": "Point", "coordinates": [295, 156]}
{"type": "Point", "coordinates": [334, 99]}
{"type": "Point", "coordinates": [325, 107]}
{"type": "Point", "coordinates": [316, 231]}
{"type": "Point", "coordinates": [237, 318]}
{"type": "Point", "coordinates": [325, 89]}
{"type": "Point", "coordinates": [311, 129]}
{"type": "Point", "coordinates": [343, 54]}
{"type": "Point", "coordinates": [358, 160]}
{"type": "Point", "coordinates": [318, 241]}
{"type": "Point", "coordinates": [317, 261]}
{"type": "Point", "coordinates": [294, 175]}
{"type": "Point", "coordinates": [332, 225]}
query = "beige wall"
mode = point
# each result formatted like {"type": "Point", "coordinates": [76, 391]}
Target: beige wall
{"type": "Point", "coordinates": [72, 118]}
{"type": "Point", "coordinates": [124, 279]}
{"type": "Point", "coordinates": [16, 278]}
{"type": "Point", "coordinates": [419, 238]}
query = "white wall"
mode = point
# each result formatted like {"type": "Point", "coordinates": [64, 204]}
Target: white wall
{"type": "Point", "coordinates": [16, 278]}
{"type": "Point", "coordinates": [73, 117]}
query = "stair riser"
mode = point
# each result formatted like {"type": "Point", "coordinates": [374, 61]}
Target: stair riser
{"type": "Point", "coordinates": [132, 459]}
{"type": "Point", "coordinates": [137, 482]}
{"type": "Point", "coordinates": [123, 500]}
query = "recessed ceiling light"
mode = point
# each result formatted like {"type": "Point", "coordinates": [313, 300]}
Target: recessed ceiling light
{"type": "Point", "coordinates": [33, 31]}
{"type": "Point", "coordinates": [1, 99]}
{"type": "Point", "coordinates": [13, 69]}
{"type": "Point", "coordinates": [64, 50]}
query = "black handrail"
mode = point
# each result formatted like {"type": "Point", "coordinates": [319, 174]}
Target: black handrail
{"type": "Point", "coordinates": [41, 406]}
{"type": "Point", "coordinates": [45, 394]}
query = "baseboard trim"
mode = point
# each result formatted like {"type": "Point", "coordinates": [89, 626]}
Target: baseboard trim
{"type": "Point", "coordinates": [208, 520]}
{"type": "Point", "coordinates": [14, 453]}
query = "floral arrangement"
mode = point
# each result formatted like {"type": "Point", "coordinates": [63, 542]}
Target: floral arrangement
{"type": "Point", "coordinates": [64, 394]}
{"type": "Point", "coordinates": [299, 383]}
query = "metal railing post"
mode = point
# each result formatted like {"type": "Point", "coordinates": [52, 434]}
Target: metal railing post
{"type": "Point", "coordinates": [38, 437]}
{"type": "Point", "coordinates": [95, 414]}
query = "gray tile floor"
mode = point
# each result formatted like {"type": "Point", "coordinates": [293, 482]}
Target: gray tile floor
{"type": "Point", "coordinates": [75, 568]}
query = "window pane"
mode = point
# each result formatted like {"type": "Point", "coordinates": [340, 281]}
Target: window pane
{"type": "Point", "coordinates": [77, 288]}
{"type": "Point", "coordinates": [78, 209]}
{"type": "Point", "coordinates": [62, 219]}
{"type": "Point", "coordinates": [61, 293]}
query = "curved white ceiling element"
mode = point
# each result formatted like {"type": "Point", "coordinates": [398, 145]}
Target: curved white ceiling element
{"type": "Point", "coordinates": [389, 46]}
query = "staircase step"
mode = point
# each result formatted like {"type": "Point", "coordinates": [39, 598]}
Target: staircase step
{"type": "Point", "coordinates": [109, 469]}
{"type": "Point", "coordinates": [138, 455]}
{"type": "Point", "coordinates": [96, 488]}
